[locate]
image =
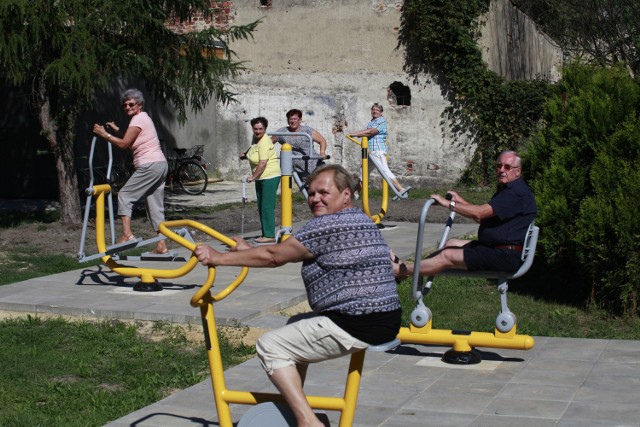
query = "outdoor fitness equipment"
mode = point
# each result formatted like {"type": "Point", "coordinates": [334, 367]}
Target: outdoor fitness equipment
{"type": "Point", "coordinates": [301, 185]}
{"type": "Point", "coordinates": [386, 182]}
{"type": "Point", "coordinates": [110, 254]}
{"type": "Point", "coordinates": [244, 202]}
{"type": "Point", "coordinates": [265, 414]}
{"type": "Point", "coordinates": [286, 193]}
{"type": "Point", "coordinates": [420, 330]}
{"type": "Point", "coordinates": [288, 176]}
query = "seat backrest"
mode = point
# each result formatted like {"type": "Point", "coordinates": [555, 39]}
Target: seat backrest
{"type": "Point", "coordinates": [528, 253]}
{"type": "Point", "coordinates": [528, 250]}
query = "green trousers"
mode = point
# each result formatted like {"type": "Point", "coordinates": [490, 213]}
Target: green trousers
{"type": "Point", "coordinates": [266, 194]}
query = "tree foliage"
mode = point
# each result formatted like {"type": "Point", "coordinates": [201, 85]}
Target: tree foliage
{"type": "Point", "coordinates": [601, 32]}
{"type": "Point", "coordinates": [440, 40]}
{"type": "Point", "coordinates": [67, 51]}
{"type": "Point", "coordinates": [585, 171]}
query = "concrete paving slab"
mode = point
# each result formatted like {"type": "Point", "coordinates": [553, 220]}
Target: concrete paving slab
{"type": "Point", "coordinates": [560, 382]}
{"type": "Point", "coordinates": [399, 389]}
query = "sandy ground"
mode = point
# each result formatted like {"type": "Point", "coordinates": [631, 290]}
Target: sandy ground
{"type": "Point", "coordinates": [194, 333]}
{"type": "Point", "coordinates": [57, 238]}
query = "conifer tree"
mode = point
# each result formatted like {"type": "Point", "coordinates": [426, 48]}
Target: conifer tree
{"type": "Point", "coordinates": [67, 51]}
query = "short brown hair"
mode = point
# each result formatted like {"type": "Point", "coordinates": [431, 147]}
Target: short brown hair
{"type": "Point", "coordinates": [294, 112]}
{"type": "Point", "coordinates": [341, 178]}
{"type": "Point", "coordinates": [262, 120]}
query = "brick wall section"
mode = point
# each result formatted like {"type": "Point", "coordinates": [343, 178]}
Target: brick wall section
{"type": "Point", "coordinates": [223, 14]}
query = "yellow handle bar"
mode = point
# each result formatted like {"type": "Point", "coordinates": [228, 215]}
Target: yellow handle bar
{"type": "Point", "coordinates": [199, 298]}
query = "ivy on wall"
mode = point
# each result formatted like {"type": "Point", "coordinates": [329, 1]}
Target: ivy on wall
{"type": "Point", "coordinates": [440, 41]}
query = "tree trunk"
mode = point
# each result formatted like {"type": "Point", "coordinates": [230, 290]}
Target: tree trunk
{"type": "Point", "coordinates": [61, 145]}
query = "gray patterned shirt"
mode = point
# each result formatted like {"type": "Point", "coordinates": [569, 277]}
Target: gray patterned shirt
{"type": "Point", "coordinates": [351, 272]}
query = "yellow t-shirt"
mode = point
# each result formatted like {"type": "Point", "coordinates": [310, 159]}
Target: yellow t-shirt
{"type": "Point", "coordinates": [264, 150]}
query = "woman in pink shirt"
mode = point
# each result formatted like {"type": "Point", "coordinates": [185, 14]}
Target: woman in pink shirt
{"type": "Point", "coordinates": [149, 162]}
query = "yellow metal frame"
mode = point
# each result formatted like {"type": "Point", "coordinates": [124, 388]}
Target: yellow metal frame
{"type": "Point", "coordinates": [286, 196]}
{"type": "Point", "coordinates": [465, 340]}
{"type": "Point", "coordinates": [205, 300]}
{"type": "Point", "coordinates": [364, 145]}
{"type": "Point", "coordinates": [460, 341]}
{"type": "Point", "coordinates": [224, 396]}
{"type": "Point", "coordinates": [146, 275]}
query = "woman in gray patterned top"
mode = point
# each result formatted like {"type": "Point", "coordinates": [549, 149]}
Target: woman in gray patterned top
{"type": "Point", "coordinates": [300, 144]}
{"type": "Point", "coordinates": [349, 281]}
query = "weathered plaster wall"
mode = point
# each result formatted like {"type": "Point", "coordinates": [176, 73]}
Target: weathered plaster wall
{"type": "Point", "coordinates": [514, 47]}
{"type": "Point", "coordinates": [332, 60]}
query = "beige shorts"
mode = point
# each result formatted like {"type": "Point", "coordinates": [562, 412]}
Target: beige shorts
{"type": "Point", "coordinates": [303, 342]}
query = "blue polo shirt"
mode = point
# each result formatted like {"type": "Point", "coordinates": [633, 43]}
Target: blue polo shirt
{"type": "Point", "coordinates": [515, 208]}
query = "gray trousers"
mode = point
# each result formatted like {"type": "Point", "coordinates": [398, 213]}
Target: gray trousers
{"type": "Point", "coordinates": [147, 181]}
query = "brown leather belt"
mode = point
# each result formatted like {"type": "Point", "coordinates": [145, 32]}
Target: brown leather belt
{"type": "Point", "coordinates": [512, 247]}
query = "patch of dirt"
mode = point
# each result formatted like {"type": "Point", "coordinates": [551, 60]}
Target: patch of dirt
{"type": "Point", "coordinates": [56, 238]}
{"type": "Point", "coordinates": [151, 331]}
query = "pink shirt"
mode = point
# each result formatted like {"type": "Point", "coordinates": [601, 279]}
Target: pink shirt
{"type": "Point", "coordinates": [146, 148]}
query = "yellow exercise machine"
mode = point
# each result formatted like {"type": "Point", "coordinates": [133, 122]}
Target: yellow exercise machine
{"type": "Point", "coordinates": [377, 218]}
{"type": "Point", "coordinates": [286, 193]}
{"type": "Point", "coordinates": [288, 177]}
{"type": "Point", "coordinates": [223, 396]}
{"type": "Point", "coordinates": [109, 254]}
{"type": "Point", "coordinates": [463, 342]}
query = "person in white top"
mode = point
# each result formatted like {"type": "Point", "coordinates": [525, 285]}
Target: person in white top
{"type": "Point", "coordinates": [151, 168]}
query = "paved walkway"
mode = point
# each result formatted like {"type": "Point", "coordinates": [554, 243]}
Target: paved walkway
{"type": "Point", "coordinates": [560, 382]}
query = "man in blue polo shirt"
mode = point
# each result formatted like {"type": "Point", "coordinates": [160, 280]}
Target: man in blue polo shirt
{"type": "Point", "coordinates": [503, 220]}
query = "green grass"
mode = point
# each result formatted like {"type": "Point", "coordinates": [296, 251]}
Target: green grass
{"type": "Point", "coordinates": [63, 373]}
{"type": "Point", "coordinates": [13, 219]}
{"type": "Point", "coordinates": [473, 304]}
{"type": "Point", "coordinates": [31, 263]}
{"type": "Point", "coordinates": [474, 195]}
{"type": "Point", "coordinates": [77, 373]}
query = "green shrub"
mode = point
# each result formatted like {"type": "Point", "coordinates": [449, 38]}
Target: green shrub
{"type": "Point", "coordinates": [440, 40]}
{"type": "Point", "coordinates": [585, 172]}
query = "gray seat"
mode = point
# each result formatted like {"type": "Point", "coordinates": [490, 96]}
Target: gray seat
{"type": "Point", "coordinates": [506, 320]}
{"type": "Point", "coordinates": [528, 253]}
{"type": "Point", "coordinates": [385, 346]}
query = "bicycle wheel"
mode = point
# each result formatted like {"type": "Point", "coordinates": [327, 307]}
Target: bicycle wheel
{"type": "Point", "coordinates": [192, 177]}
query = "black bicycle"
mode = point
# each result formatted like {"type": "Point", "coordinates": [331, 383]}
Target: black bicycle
{"type": "Point", "coordinates": [188, 169]}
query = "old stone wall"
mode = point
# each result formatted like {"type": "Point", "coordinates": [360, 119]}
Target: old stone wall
{"type": "Point", "coordinates": [332, 59]}
{"type": "Point", "coordinates": [514, 47]}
